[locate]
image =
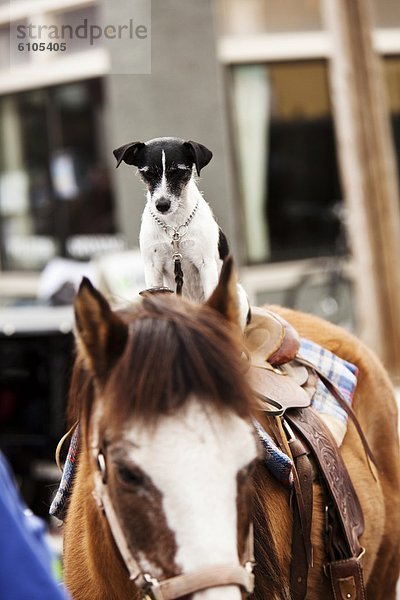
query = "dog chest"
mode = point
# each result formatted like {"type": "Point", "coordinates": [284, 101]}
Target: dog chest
{"type": "Point", "coordinates": [192, 285]}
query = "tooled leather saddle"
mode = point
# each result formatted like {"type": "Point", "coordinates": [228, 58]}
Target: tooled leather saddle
{"type": "Point", "coordinates": [284, 385]}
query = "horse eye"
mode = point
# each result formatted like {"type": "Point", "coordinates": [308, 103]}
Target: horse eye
{"type": "Point", "coordinates": [131, 475]}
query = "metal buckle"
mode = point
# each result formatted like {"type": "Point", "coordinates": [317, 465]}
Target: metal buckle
{"type": "Point", "coordinates": [171, 231]}
{"type": "Point", "coordinates": [358, 558]}
{"type": "Point", "coordinates": [182, 230]}
{"type": "Point", "coordinates": [361, 555]}
{"type": "Point", "coordinates": [150, 587]}
{"type": "Point", "coordinates": [249, 566]}
{"type": "Point", "coordinates": [177, 232]}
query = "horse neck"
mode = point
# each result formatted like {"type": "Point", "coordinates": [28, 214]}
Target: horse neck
{"type": "Point", "coordinates": [273, 532]}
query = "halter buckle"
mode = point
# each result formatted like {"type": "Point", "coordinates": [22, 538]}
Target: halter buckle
{"type": "Point", "coordinates": [249, 566]}
{"type": "Point", "coordinates": [150, 588]}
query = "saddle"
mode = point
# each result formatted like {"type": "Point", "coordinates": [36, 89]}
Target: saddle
{"type": "Point", "coordinates": [284, 386]}
{"type": "Point", "coordinates": [273, 345]}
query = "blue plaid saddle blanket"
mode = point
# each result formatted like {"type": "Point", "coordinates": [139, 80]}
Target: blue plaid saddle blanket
{"type": "Point", "coordinates": [338, 371]}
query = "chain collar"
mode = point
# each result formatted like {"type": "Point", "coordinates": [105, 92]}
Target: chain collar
{"type": "Point", "coordinates": [175, 233]}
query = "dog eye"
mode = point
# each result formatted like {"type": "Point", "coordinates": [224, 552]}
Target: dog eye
{"type": "Point", "coordinates": [148, 173]}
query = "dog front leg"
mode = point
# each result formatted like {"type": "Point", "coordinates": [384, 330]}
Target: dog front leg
{"type": "Point", "coordinates": [208, 277]}
{"type": "Point", "coordinates": [153, 274]}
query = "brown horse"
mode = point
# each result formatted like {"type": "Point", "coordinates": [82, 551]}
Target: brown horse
{"type": "Point", "coordinates": [165, 412]}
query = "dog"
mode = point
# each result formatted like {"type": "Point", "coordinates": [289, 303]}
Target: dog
{"type": "Point", "coordinates": [182, 246]}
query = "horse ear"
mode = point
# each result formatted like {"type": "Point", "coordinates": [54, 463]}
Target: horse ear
{"type": "Point", "coordinates": [201, 155]}
{"type": "Point", "coordinates": [101, 334]}
{"type": "Point", "coordinates": [224, 298]}
{"type": "Point", "coordinates": [128, 153]}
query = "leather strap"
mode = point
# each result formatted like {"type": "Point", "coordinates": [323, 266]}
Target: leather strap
{"type": "Point", "coordinates": [346, 407]}
{"type": "Point", "coordinates": [302, 507]}
{"type": "Point", "coordinates": [301, 537]}
{"type": "Point", "coordinates": [346, 575]}
{"type": "Point", "coordinates": [187, 584]}
{"type": "Point", "coordinates": [103, 501]}
{"type": "Point", "coordinates": [335, 473]}
{"type": "Point", "coordinates": [347, 579]}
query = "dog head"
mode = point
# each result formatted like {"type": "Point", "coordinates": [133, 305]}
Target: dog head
{"type": "Point", "coordinates": [166, 167]}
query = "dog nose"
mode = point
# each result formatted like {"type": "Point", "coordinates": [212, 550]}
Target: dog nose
{"type": "Point", "coordinates": [162, 205]}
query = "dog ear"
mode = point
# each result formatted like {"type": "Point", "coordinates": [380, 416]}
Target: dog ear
{"type": "Point", "coordinates": [201, 155]}
{"type": "Point", "coordinates": [101, 334]}
{"type": "Point", "coordinates": [128, 153]}
{"type": "Point", "coordinates": [224, 298]}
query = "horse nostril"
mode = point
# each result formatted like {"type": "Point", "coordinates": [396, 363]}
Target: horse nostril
{"type": "Point", "coordinates": [162, 205]}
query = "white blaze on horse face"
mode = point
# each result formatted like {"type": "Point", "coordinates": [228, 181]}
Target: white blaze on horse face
{"type": "Point", "coordinates": [193, 459]}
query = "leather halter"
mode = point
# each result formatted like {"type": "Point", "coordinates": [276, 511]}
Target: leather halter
{"type": "Point", "coordinates": [180, 585]}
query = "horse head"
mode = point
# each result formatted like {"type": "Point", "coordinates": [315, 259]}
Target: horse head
{"type": "Point", "coordinates": [168, 434]}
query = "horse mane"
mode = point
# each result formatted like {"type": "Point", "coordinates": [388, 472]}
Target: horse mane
{"type": "Point", "coordinates": [175, 349]}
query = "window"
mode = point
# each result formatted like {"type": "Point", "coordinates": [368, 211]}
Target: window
{"type": "Point", "coordinates": [289, 176]}
{"type": "Point", "coordinates": [54, 183]}
{"type": "Point", "coordinates": [392, 74]}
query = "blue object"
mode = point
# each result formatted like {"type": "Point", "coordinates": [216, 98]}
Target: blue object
{"type": "Point", "coordinates": [25, 559]}
{"type": "Point", "coordinates": [342, 374]}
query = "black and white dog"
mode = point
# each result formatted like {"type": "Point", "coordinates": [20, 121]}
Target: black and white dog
{"type": "Point", "coordinates": [177, 223]}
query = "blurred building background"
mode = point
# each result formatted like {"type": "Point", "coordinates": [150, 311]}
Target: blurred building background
{"type": "Point", "coordinates": [247, 78]}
